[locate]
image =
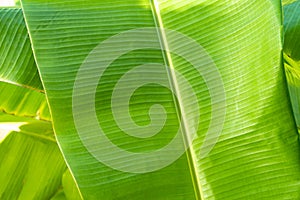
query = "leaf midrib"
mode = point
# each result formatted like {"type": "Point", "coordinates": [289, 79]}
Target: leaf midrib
{"type": "Point", "coordinates": [178, 104]}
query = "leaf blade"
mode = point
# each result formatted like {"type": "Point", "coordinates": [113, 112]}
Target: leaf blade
{"type": "Point", "coordinates": [235, 141]}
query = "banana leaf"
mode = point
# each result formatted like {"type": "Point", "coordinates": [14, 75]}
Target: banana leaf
{"type": "Point", "coordinates": [17, 62]}
{"type": "Point", "coordinates": [31, 164]}
{"type": "Point", "coordinates": [217, 59]}
{"type": "Point", "coordinates": [291, 53]}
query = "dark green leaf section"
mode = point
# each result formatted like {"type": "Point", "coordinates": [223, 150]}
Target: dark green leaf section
{"type": "Point", "coordinates": [16, 57]}
{"type": "Point", "coordinates": [291, 32]}
{"type": "Point", "coordinates": [291, 52]}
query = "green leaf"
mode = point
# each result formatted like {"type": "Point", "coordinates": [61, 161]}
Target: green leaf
{"type": "Point", "coordinates": [291, 52]}
{"type": "Point", "coordinates": [257, 153]}
{"type": "Point", "coordinates": [70, 188]}
{"type": "Point", "coordinates": [27, 144]}
{"type": "Point", "coordinates": [60, 195]}
{"type": "Point", "coordinates": [291, 28]}
{"type": "Point", "coordinates": [31, 163]}
{"type": "Point", "coordinates": [20, 101]}
{"type": "Point", "coordinates": [16, 57]}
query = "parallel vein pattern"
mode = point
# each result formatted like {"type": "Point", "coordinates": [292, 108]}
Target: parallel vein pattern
{"type": "Point", "coordinates": [63, 34]}
{"type": "Point", "coordinates": [292, 54]}
{"type": "Point", "coordinates": [252, 159]}
{"type": "Point", "coordinates": [31, 163]}
{"type": "Point", "coordinates": [257, 154]}
{"type": "Point", "coordinates": [16, 57]}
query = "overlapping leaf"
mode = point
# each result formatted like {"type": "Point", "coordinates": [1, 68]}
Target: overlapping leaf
{"type": "Point", "coordinates": [292, 54]}
{"type": "Point", "coordinates": [257, 154]}
{"type": "Point", "coordinates": [31, 163]}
